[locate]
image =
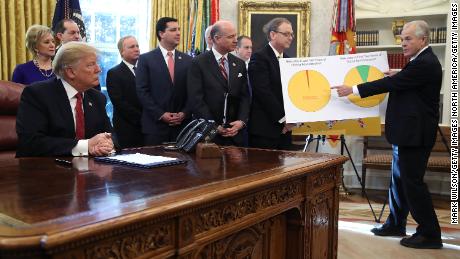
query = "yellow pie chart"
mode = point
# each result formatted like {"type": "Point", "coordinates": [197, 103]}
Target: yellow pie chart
{"type": "Point", "coordinates": [362, 74]}
{"type": "Point", "coordinates": [309, 90]}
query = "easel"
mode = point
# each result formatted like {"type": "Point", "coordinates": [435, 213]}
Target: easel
{"type": "Point", "coordinates": [343, 146]}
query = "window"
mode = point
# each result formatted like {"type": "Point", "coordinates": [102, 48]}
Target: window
{"type": "Point", "coordinates": [106, 21]}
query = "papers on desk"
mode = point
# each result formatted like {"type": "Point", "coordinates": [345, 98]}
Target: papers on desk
{"type": "Point", "coordinates": [140, 160]}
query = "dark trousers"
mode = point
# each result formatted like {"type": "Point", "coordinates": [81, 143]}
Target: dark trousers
{"type": "Point", "coordinates": [409, 193]}
{"type": "Point", "coordinates": [229, 141]}
{"type": "Point", "coordinates": [168, 134]}
{"type": "Point", "coordinates": [283, 142]}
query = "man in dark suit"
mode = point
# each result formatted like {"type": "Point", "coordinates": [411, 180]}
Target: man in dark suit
{"type": "Point", "coordinates": [267, 122]}
{"type": "Point", "coordinates": [64, 116]}
{"type": "Point", "coordinates": [215, 74]}
{"type": "Point", "coordinates": [244, 49]}
{"type": "Point", "coordinates": [66, 30]}
{"type": "Point", "coordinates": [410, 125]}
{"type": "Point", "coordinates": [161, 85]}
{"type": "Point", "coordinates": [121, 86]}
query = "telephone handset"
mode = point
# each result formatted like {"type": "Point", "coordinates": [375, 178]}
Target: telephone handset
{"type": "Point", "coordinates": [193, 133]}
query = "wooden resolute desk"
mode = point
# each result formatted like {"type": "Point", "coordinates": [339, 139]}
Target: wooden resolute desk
{"type": "Point", "coordinates": [249, 204]}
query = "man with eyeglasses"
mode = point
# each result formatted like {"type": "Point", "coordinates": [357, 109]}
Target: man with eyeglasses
{"type": "Point", "coordinates": [411, 123]}
{"type": "Point", "coordinates": [267, 122]}
{"type": "Point", "coordinates": [217, 86]}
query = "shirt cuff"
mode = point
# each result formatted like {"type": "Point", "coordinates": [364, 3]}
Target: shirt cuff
{"type": "Point", "coordinates": [80, 163]}
{"type": "Point", "coordinates": [282, 120]}
{"type": "Point", "coordinates": [81, 149]}
{"type": "Point", "coordinates": [355, 90]}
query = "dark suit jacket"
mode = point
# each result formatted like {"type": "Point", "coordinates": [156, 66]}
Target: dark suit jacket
{"type": "Point", "coordinates": [412, 113]}
{"type": "Point", "coordinates": [156, 91]}
{"type": "Point", "coordinates": [121, 86]}
{"type": "Point", "coordinates": [45, 123]}
{"type": "Point", "coordinates": [207, 87]}
{"type": "Point", "coordinates": [267, 100]}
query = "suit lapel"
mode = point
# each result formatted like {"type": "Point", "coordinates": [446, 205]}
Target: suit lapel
{"type": "Point", "coordinates": [425, 52]}
{"type": "Point", "coordinates": [177, 63]}
{"type": "Point", "coordinates": [158, 57]}
{"type": "Point", "coordinates": [233, 68]}
{"type": "Point", "coordinates": [89, 107]}
{"type": "Point", "coordinates": [125, 71]}
{"type": "Point", "coordinates": [272, 55]}
{"type": "Point", "coordinates": [275, 60]}
{"type": "Point", "coordinates": [214, 66]}
{"type": "Point", "coordinates": [64, 105]}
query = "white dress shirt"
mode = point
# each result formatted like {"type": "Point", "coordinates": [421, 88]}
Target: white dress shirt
{"type": "Point", "coordinates": [81, 149]}
{"type": "Point", "coordinates": [164, 52]}
{"type": "Point", "coordinates": [130, 66]}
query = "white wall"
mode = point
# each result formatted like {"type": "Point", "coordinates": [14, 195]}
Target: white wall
{"type": "Point", "coordinates": [320, 22]}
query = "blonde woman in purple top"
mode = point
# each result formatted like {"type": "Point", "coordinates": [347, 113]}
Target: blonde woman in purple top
{"type": "Point", "coordinates": [40, 42]}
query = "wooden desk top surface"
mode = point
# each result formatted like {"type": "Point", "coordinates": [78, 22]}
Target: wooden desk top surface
{"type": "Point", "coordinates": [39, 197]}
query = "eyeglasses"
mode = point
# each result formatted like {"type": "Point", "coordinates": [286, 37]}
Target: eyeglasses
{"type": "Point", "coordinates": [286, 34]}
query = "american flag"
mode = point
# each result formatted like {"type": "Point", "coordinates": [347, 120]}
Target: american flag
{"type": "Point", "coordinates": [69, 9]}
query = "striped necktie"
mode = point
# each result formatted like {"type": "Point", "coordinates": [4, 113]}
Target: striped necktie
{"type": "Point", "coordinates": [223, 70]}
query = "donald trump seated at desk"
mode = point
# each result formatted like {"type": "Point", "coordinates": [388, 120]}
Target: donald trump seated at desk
{"type": "Point", "coordinates": [65, 116]}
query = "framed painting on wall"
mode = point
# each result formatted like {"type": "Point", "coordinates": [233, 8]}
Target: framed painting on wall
{"type": "Point", "coordinates": [253, 15]}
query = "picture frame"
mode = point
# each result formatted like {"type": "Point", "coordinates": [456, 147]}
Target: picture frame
{"type": "Point", "coordinates": [253, 15]}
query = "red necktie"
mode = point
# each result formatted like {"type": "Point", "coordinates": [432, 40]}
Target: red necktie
{"type": "Point", "coordinates": [79, 118]}
{"type": "Point", "coordinates": [223, 71]}
{"type": "Point", "coordinates": [171, 65]}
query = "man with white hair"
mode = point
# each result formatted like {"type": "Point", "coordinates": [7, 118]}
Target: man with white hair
{"type": "Point", "coordinates": [207, 37]}
{"type": "Point", "coordinates": [411, 123]}
{"type": "Point", "coordinates": [121, 86]}
{"type": "Point", "coordinates": [217, 86]}
{"type": "Point", "coordinates": [65, 116]}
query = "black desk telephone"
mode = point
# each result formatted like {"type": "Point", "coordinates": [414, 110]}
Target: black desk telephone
{"type": "Point", "coordinates": [196, 131]}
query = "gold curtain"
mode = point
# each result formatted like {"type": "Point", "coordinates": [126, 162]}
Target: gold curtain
{"type": "Point", "coordinates": [15, 17]}
{"type": "Point", "coordinates": [178, 9]}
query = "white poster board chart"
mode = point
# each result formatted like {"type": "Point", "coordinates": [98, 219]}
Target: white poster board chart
{"type": "Point", "coordinates": [307, 83]}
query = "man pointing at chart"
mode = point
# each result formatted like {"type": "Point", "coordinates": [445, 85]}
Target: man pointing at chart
{"type": "Point", "coordinates": [411, 122]}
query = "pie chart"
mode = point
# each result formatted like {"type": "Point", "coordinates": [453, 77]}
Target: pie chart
{"type": "Point", "coordinates": [309, 90]}
{"type": "Point", "coordinates": [362, 74]}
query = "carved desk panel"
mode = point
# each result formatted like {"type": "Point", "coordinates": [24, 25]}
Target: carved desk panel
{"type": "Point", "coordinates": [250, 203]}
